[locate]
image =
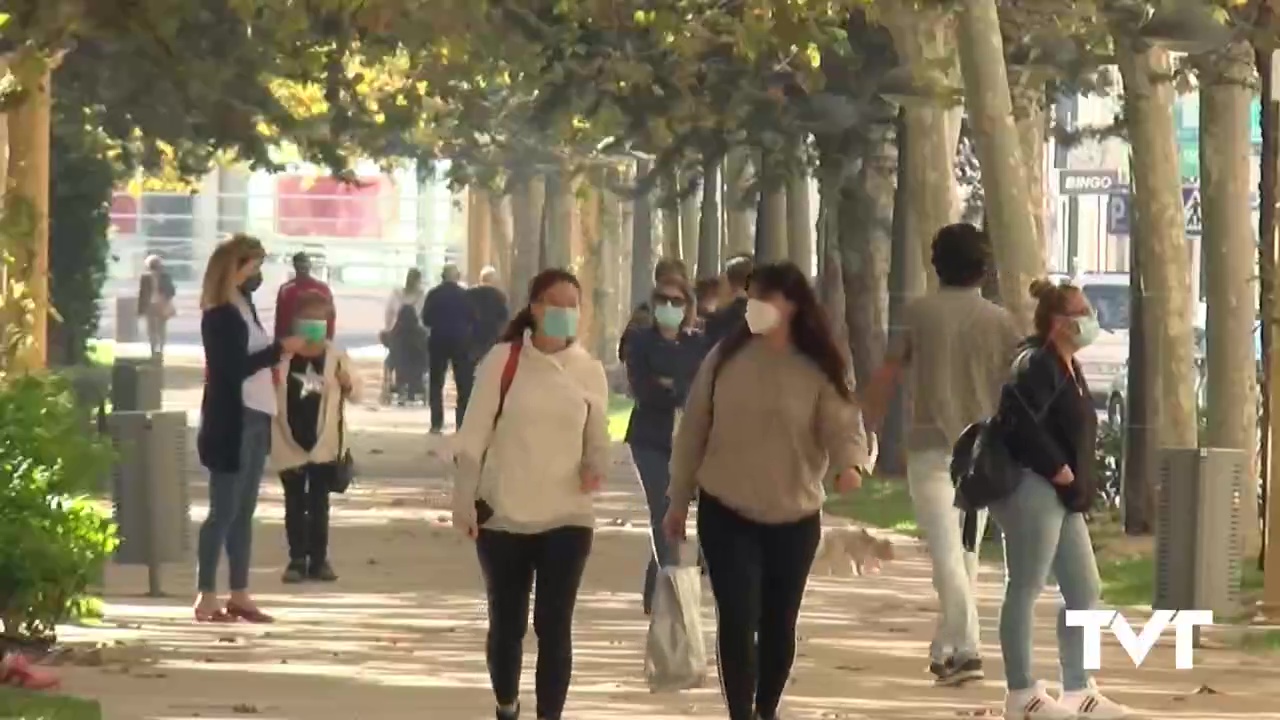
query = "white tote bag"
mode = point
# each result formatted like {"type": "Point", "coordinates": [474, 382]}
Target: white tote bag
{"type": "Point", "coordinates": [675, 655]}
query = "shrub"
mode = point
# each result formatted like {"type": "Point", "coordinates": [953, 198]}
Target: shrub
{"type": "Point", "coordinates": [53, 538]}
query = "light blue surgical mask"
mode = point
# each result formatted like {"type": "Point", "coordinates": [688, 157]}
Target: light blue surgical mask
{"type": "Point", "coordinates": [560, 322]}
{"type": "Point", "coordinates": [1087, 329]}
{"type": "Point", "coordinates": [668, 316]}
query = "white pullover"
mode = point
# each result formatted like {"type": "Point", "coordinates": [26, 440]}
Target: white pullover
{"type": "Point", "coordinates": [554, 425]}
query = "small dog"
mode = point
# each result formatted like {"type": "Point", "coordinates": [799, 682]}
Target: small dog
{"type": "Point", "coordinates": [845, 551]}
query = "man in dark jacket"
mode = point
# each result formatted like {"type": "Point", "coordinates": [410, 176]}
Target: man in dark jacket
{"type": "Point", "coordinates": [449, 316]}
{"type": "Point", "coordinates": [490, 307]}
{"type": "Point", "coordinates": [732, 310]}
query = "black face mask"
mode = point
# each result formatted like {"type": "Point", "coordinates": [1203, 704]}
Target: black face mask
{"type": "Point", "coordinates": [252, 284]}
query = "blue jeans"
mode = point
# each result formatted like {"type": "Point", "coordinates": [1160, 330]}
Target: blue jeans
{"type": "Point", "coordinates": [653, 464]}
{"type": "Point", "coordinates": [233, 497]}
{"type": "Point", "coordinates": [1040, 536]}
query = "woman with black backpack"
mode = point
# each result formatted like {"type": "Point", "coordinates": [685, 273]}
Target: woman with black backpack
{"type": "Point", "coordinates": [1049, 425]}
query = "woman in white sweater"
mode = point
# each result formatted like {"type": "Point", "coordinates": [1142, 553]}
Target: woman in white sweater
{"type": "Point", "coordinates": [532, 450]}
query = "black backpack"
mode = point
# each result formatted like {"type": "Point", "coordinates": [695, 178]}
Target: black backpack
{"type": "Point", "coordinates": [982, 470]}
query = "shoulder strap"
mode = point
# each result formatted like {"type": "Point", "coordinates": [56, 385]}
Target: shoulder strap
{"type": "Point", "coordinates": [508, 376]}
{"type": "Point", "coordinates": [1037, 417]}
{"type": "Point", "coordinates": [342, 412]}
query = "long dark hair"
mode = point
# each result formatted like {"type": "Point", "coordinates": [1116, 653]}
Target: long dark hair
{"type": "Point", "coordinates": [810, 329]}
{"type": "Point", "coordinates": [538, 286]}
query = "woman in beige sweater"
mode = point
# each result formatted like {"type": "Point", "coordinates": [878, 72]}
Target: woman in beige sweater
{"type": "Point", "coordinates": [770, 418]}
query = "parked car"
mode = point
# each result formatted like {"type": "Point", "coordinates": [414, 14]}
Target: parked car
{"type": "Point", "coordinates": [1117, 397]}
{"type": "Point", "coordinates": [1105, 359]}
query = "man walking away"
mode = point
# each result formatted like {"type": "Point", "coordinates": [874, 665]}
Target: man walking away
{"type": "Point", "coordinates": [450, 318]}
{"type": "Point", "coordinates": [155, 302]}
{"type": "Point", "coordinates": [957, 349]}
{"type": "Point", "coordinates": [489, 304]}
{"type": "Point", "coordinates": [287, 297]}
{"type": "Point", "coordinates": [732, 310]}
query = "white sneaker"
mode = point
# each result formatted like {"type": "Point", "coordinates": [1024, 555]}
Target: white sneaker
{"type": "Point", "coordinates": [1090, 703]}
{"type": "Point", "coordinates": [1035, 703]}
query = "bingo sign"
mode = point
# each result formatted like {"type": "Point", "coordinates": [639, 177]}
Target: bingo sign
{"type": "Point", "coordinates": [1118, 204]}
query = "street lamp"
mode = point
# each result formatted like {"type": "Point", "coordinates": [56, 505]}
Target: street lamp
{"type": "Point", "coordinates": [911, 87]}
{"type": "Point", "coordinates": [1186, 26]}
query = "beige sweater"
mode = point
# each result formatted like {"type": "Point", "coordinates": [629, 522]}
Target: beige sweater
{"type": "Point", "coordinates": [764, 443]}
{"type": "Point", "coordinates": [285, 452]}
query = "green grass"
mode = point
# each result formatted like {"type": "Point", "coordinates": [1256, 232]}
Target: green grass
{"type": "Point", "coordinates": [882, 503]}
{"type": "Point", "coordinates": [28, 705]}
{"type": "Point", "coordinates": [102, 352]}
{"type": "Point", "coordinates": [619, 413]}
{"type": "Point", "coordinates": [1128, 575]}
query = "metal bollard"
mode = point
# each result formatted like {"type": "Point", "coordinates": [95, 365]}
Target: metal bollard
{"type": "Point", "coordinates": [152, 504]}
{"type": "Point", "coordinates": [136, 384]}
{"type": "Point", "coordinates": [1200, 530]}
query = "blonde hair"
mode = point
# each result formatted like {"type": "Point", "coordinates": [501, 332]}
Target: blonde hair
{"type": "Point", "coordinates": [219, 285]}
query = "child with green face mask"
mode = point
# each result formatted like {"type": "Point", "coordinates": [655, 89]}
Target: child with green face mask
{"type": "Point", "coordinates": [305, 440]}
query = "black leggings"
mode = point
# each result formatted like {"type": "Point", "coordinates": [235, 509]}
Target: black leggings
{"type": "Point", "coordinates": [306, 514]}
{"type": "Point", "coordinates": [510, 562]}
{"type": "Point", "coordinates": [758, 576]}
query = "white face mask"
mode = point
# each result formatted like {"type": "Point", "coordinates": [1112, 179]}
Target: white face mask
{"type": "Point", "coordinates": [761, 316]}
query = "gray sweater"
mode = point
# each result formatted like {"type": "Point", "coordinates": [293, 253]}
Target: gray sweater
{"type": "Point", "coordinates": [768, 437]}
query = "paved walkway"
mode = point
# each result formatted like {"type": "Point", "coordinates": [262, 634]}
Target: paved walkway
{"type": "Point", "coordinates": [400, 636]}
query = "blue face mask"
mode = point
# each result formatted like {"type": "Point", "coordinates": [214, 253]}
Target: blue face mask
{"type": "Point", "coordinates": [668, 316]}
{"type": "Point", "coordinates": [560, 323]}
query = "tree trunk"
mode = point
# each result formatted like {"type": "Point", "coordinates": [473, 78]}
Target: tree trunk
{"type": "Point", "coordinates": [526, 232]}
{"type": "Point", "coordinates": [865, 249]}
{"type": "Point", "coordinates": [739, 236]}
{"type": "Point", "coordinates": [906, 280]}
{"type": "Point", "coordinates": [1269, 190]}
{"type": "Point", "coordinates": [709, 226]}
{"type": "Point", "coordinates": [1138, 459]}
{"type": "Point", "coordinates": [28, 181]}
{"type": "Point", "coordinates": [1011, 223]}
{"type": "Point", "coordinates": [689, 228]}
{"type": "Point", "coordinates": [1230, 255]}
{"type": "Point", "coordinates": [1166, 264]}
{"type": "Point", "coordinates": [800, 222]}
{"type": "Point", "coordinates": [500, 239]}
{"type": "Point", "coordinates": [922, 38]}
{"type": "Point", "coordinates": [595, 287]}
{"type": "Point", "coordinates": [771, 214]}
{"type": "Point", "coordinates": [612, 262]}
{"type": "Point", "coordinates": [479, 242]}
{"type": "Point", "coordinates": [642, 261]}
{"type": "Point", "coordinates": [1030, 114]}
{"type": "Point", "coordinates": [672, 247]}
{"type": "Point", "coordinates": [560, 207]}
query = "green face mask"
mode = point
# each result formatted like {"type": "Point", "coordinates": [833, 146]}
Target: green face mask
{"type": "Point", "coordinates": [313, 331]}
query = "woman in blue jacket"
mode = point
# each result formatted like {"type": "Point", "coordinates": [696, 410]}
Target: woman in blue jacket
{"type": "Point", "coordinates": [661, 361]}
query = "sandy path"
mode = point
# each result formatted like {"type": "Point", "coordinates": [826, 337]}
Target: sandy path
{"type": "Point", "coordinates": [400, 636]}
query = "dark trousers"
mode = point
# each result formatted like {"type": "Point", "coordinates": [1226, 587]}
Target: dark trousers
{"type": "Point", "coordinates": [652, 465]}
{"type": "Point", "coordinates": [306, 514]}
{"type": "Point", "coordinates": [442, 356]}
{"type": "Point", "coordinates": [758, 576]}
{"type": "Point", "coordinates": [510, 563]}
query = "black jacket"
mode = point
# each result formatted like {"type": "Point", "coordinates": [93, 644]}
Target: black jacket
{"type": "Point", "coordinates": [1048, 420]}
{"type": "Point", "coordinates": [489, 305]}
{"type": "Point", "coordinates": [228, 364]}
{"type": "Point", "coordinates": [650, 359]}
{"type": "Point", "coordinates": [449, 315]}
{"type": "Point", "coordinates": [724, 321]}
